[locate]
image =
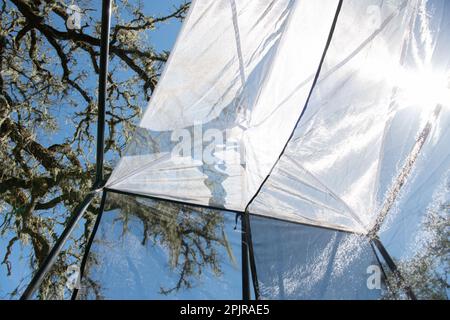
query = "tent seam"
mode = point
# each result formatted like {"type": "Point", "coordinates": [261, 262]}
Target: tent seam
{"type": "Point", "coordinates": [327, 44]}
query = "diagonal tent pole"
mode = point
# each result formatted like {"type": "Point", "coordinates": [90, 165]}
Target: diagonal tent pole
{"type": "Point", "coordinates": [88, 246]}
{"type": "Point", "coordinates": [393, 267]}
{"type": "Point", "coordinates": [50, 260]}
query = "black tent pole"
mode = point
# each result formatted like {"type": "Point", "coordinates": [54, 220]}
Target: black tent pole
{"type": "Point", "coordinates": [244, 257]}
{"type": "Point", "coordinates": [102, 88]}
{"type": "Point", "coordinates": [393, 267]}
{"type": "Point", "coordinates": [50, 260]}
{"type": "Point", "coordinates": [249, 244]}
{"type": "Point", "coordinates": [89, 245]}
{"type": "Point", "coordinates": [248, 233]}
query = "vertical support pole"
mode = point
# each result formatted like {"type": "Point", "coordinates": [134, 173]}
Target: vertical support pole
{"type": "Point", "coordinates": [102, 87]}
{"type": "Point", "coordinates": [248, 233]}
{"type": "Point", "coordinates": [79, 212]}
{"type": "Point", "coordinates": [245, 270]}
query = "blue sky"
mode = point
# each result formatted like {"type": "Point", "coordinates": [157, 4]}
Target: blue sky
{"type": "Point", "coordinates": [164, 37]}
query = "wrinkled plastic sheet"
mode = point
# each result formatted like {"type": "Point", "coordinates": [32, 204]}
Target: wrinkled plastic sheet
{"type": "Point", "coordinates": [231, 93]}
{"type": "Point", "coordinates": [382, 98]}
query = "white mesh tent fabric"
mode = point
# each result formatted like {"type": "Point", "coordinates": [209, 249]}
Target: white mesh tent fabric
{"type": "Point", "coordinates": [331, 117]}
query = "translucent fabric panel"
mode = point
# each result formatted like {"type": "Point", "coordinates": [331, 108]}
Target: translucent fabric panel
{"type": "Point", "coordinates": [296, 261]}
{"type": "Point", "coordinates": [231, 93]}
{"type": "Point", "coordinates": [376, 100]}
{"type": "Point", "coordinates": [157, 250]}
{"type": "Point", "coordinates": [417, 230]}
{"type": "Point", "coordinates": [416, 137]}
